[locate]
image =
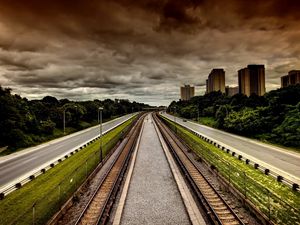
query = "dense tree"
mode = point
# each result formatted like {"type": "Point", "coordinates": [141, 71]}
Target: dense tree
{"type": "Point", "coordinates": [246, 121]}
{"type": "Point", "coordinates": [273, 117]}
{"type": "Point", "coordinates": [288, 132]}
{"type": "Point", "coordinates": [222, 112]}
{"type": "Point", "coordinates": [24, 123]}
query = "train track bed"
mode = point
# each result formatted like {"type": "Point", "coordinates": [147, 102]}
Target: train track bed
{"type": "Point", "coordinates": [222, 207]}
{"type": "Point", "coordinates": [222, 189]}
{"type": "Point", "coordinates": [97, 197]}
{"type": "Point", "coordinates": [152, 196]}
{"type": "Point", "coordinates": [98, 209]}
{"type": "Point", "coordinates": [84, 195]}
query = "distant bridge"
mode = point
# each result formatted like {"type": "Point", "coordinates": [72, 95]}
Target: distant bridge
{"type": "Point", "coordinates": [155, 108]}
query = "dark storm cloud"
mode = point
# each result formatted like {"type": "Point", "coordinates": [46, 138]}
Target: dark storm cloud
{"type": "Point", "coordinates": [99, 17]}
{"type": "Point", "coordinates": [134, 49]}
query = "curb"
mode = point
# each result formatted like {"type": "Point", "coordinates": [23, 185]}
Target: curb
{"type": "Point", "coordinates": [21, 181]}
{"type": "Point", "coordinates": [240, 156]}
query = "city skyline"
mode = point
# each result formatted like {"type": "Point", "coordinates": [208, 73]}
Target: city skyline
{"type": "Point", "coordinates": [216, 81]}
{"type": "Point", "coordinates": [141, 50]}
{"type": "Point", "coordinates": [292, 78]}
{"type": "Point", "coordinates": [187, 92]}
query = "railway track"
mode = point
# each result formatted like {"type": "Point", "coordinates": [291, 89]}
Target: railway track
{"type": "Point", "coordinates": [100, 204]}
{"type": "Point", "coordinates": [218, 210]}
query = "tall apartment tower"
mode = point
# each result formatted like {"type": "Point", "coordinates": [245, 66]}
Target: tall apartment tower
{"type": "Point", "coordinates": [216, 81]}
{"type": "Point", "coordinates": [231, 91]}
{"type": "Point", "coordinates": [291, 79]}
{"type": "Point", "coordinates": [187, 92]}
{"type": "Point", "coordinates": [252, 80]}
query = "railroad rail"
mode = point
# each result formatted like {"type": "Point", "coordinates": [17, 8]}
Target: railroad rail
{"type": "Point", "coordinates": [100, 204]}
{"type": "Point", "coordinates": [218, 210]}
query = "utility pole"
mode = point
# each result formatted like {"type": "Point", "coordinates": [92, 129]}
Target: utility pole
{"type": "Point", "coordinates": [64, 116]}
{"type": "Point", "coordinates": [100, 110]}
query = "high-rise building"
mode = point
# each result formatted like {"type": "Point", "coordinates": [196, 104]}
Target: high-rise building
{"type": "Point", "coordinates": [187, 92]}
{"type": "Point", "coordinates": [291, 79]}
{"type": "Point", "coordinates": [231, 91]}
{"type": "Point", "coordinates": [244, 81]}
{"type": "Point", "coordinates": [216, 81]}
{"type": "Point", "coordinates": [252, 80]}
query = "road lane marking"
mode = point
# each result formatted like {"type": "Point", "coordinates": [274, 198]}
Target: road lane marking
{"type": "Point", "coordinates": [293, 178]}
{"type": "Point", "coordinates": [57, 140]}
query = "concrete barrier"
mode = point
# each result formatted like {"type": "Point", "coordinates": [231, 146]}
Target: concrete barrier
{"type": "Point", "coordinates": [264, 170]}
{"type": "Point", "coordinates": [7, 189]}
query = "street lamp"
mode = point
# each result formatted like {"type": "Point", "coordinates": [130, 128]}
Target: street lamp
{"type": "Point", "coordinates": [100, 109]}
{"type": "Point", "coordinates": [175, 120]}
{"type": "Point", "coordinates": [64, 116]}
{"type": "Point", "coordinates": [198, 114]}
{"type": "Point", "coordinates": [174, 113]}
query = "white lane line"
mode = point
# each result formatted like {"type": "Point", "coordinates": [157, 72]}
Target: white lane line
{"type": "Point", "coordinates": [291, 177]}
{"type": "Point", "coordinates": [189, 202]}
{"type": "Point", "coordinates": [38, 147]}
{"type": "Point", "coordinates": [119, 211]}
{"type": "Point", "coordinates": [4, 187]}
{"type": "Point", "coordinates": [271, 147]}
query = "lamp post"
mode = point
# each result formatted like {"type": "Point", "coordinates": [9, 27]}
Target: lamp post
{"type": "Point", "coordinates": [175, 119]}
{"type": "Point", "coordinates": [198, 114]}
{"type": "Point", "coordinates": [64, 120]}
{"type": "Point", "coordinates": [100, 109]}
{"type": "Point", "coordinates": [174, 114]}
{"type": "Point", "coordinates": [64, 116]}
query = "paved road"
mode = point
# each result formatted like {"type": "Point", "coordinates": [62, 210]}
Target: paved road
{"type": "Point", "coordinates": [153, 196]}
{"type": "Point", "coordinates": [15, 166]}
{"type": "Point", "coordinates": [280, 160]}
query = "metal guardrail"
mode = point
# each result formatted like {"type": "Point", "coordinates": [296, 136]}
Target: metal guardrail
{"type": "Point", "coordinates": [269, 207]}
{"type": "Point", "coordinates": [265, 170]}
{"type": "Point", "coordinates": [204, 199]}
{"type": "Point", "coordinates": [5, 190]}
{"type": "Point", "coordinates": [105, 176]}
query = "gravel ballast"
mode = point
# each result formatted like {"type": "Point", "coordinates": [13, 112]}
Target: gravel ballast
{"type": "Point", "coordinates": [153, 196]}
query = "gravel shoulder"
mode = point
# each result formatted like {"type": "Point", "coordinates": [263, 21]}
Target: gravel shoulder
{"type": "Point", "coordinates": [153, 196]}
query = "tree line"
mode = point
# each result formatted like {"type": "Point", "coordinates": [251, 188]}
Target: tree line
{"type": "Point", "coordinates": [274, 117]}
{"type": "Point", "coordinates": [26, 122]}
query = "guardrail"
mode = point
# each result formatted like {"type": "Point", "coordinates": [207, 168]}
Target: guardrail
{"type": "Point", "coordinates": [267, 171]}
{"type": "Point", "coordinates": [17, 184]}
{"type": "Point", "coordinates": [269, 206]}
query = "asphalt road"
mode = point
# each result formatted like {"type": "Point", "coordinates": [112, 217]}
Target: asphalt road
{"type": "Point", "coordinates": [282, 161]}
{"type": "Point", "coordinates": [16, 165]}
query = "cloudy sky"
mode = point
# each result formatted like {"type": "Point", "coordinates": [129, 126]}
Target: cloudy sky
{"type": "Point", "coordinates": [141, 50]}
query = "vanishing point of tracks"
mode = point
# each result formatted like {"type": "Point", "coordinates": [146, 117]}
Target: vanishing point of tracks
{"type": "Point", "coordinates": [98, 208]}
{"type": "Point", "coordinates": [100, 204]}
{"type": "Point", "coordinates": [218, 210]}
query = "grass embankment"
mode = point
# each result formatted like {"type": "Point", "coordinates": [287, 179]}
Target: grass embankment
{"type": "Point", "coordinates": [211, 122]}
{"type": "Point", "coordinates": [208, 121]}
{"type": "Point", "coordinates": [276, 200]}
{"type": "Point", "coordinates": [50, 190]}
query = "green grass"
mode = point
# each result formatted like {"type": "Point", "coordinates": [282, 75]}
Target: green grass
{"type": "Point", "coordinates": [211, 122]}
{"type": "Point", "coordinates": [208, 121]}
{"type": "Point", "coordinates": [273, 198]}
{"type": "Point", "coordinates": [50, 190]}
